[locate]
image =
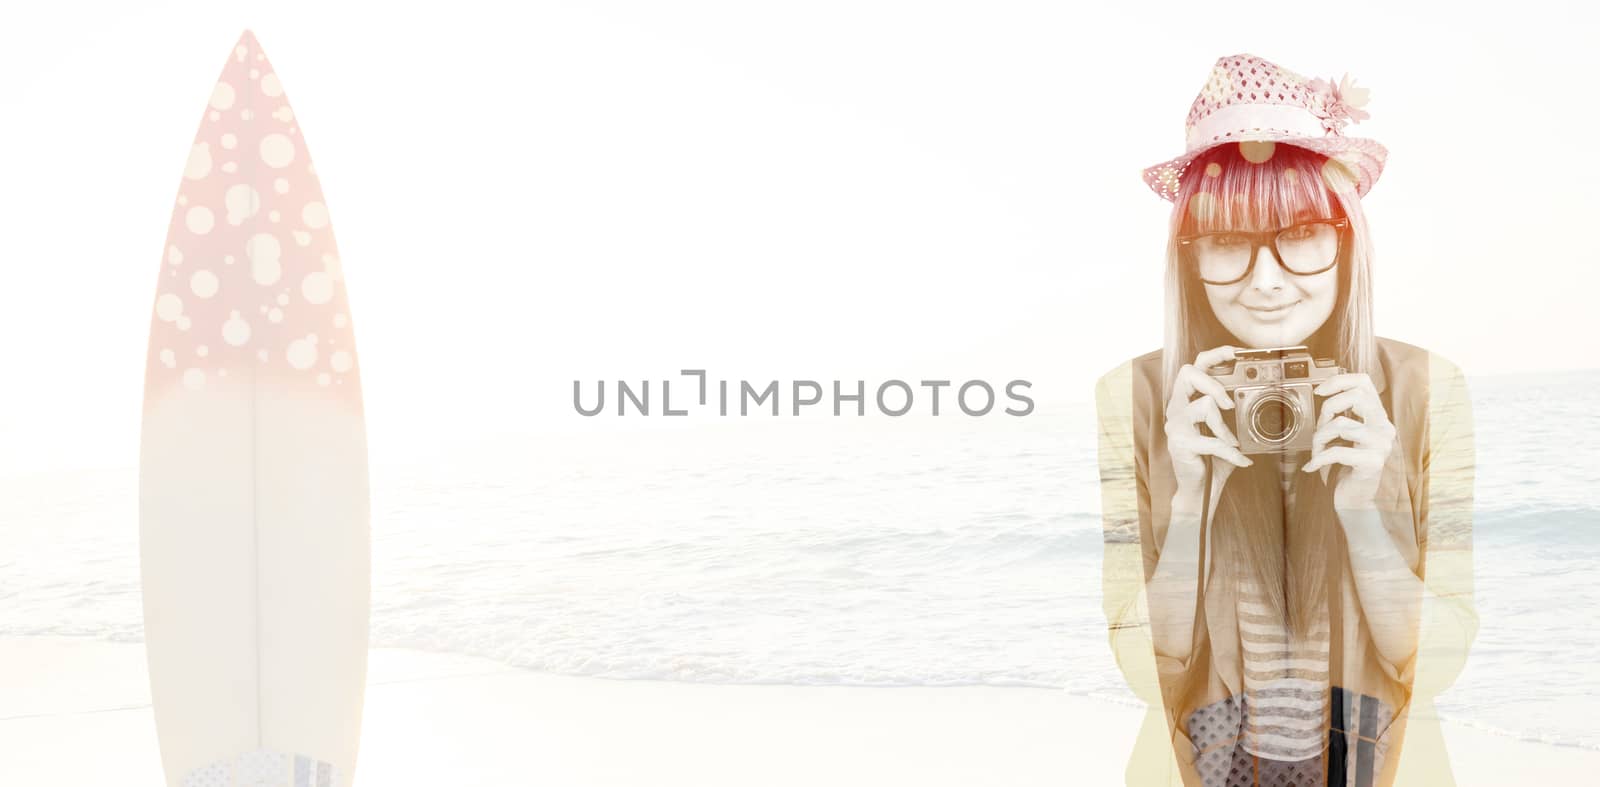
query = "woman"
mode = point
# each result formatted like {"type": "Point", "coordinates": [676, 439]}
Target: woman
{"type": "Point", "coordinates": [1288, 566]}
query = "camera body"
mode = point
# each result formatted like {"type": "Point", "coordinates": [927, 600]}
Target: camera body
{"type": "Point", "coordinates": [1274, 409]}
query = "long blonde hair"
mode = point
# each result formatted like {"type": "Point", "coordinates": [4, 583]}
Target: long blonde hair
{"type": "Point", "coordinates": [1288, 553]}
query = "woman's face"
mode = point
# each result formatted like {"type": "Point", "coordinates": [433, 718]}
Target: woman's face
{"type": "Point", "coordinates": [1272, 307]}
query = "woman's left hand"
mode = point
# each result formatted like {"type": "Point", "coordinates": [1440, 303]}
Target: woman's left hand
{"type": "Point", "coordinates": [1371, 438]}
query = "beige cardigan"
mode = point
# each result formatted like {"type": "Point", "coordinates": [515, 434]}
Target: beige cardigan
{"type": "Point", "coordinates": [1426, 492]}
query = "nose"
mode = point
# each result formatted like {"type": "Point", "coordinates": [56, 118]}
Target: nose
{"type": "Point", "coordinates": [1266, 275]}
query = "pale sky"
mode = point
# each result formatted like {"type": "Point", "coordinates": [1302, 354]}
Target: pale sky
{"type": "Point", "coordinates": [855, 190]}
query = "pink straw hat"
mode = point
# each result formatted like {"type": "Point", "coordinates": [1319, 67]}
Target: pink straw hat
{"type": "Point", "coordinates": [1250, 99]}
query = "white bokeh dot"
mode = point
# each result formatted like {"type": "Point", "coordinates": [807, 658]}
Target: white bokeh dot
{"type": "Point", "coordinates": [199, 220]}
{"type": "Point", "coordinates": [169, 358]}
{"type": "Point", "coordinates": [277, 150]}
{"type": "Point", "coordinates": [323, 378]}
{"type": "Point", "coordinates": [229, 166]}
{"type": "Point", "coordinates": [315, 215]}
{"type": "Point", "coordinates": [199, 164]}
{"type": "Point", "coordinates": [235, 331]}
{"type": "Point", "coordinates": [229, 141]}
{"type": "Point", "coordinates": [174, 256]}
{"type": "Point", "coordinates": [241, 202]}
{"type": "Point", "coordinates": [270, 85]}
{"type": "Point", "coordinates": [169, 307]}
{"type": "Point", "coordinates": [1336, 175]}
{"type": "Point", "coordinates": [1257, 151]}
{"type": "Point", "coordinates": [183, 322]}
{"type": "Point", "coordinates": [204, 283]}
{"type": "Point", "coordinates": [194, 379]}
{"type": "Point", "coordinates": [341, 361]}
{"type": "Point", "coordinates": [280, 185]}
{"type": "Point", "coordinates": [202, 350]}
{"type": "Point", "coordinates": [301, 237]}
{"type": "Point", "coordinates": [275, 314]}
{"type": "Point", "coordinates": [302, 353]}
{"type": "Point", "coordinates": [264, 252]}
{"type": "Point", "coordinates": [317, 287]}
{"type": "Point", "coordinates": [222, 96]}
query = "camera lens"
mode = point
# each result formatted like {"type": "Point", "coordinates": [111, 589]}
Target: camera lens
{"type": "Point", "coordinates": [1274, 418]}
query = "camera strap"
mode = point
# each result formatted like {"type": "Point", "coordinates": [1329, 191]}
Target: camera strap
{"type": "Point", "coordinates": [1205, 540]}
{"type": "Point", "coordinates": [1339, 696]}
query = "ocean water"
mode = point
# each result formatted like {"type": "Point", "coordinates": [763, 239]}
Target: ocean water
{"type": "Point", "coordinates": [859, 551]}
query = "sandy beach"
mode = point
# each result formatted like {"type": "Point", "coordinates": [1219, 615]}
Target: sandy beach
{"type": "Point", "coordinates": [76, 712]}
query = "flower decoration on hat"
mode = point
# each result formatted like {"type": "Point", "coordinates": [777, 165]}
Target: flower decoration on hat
{"type": "Point", "coordinates": [1338, 104]}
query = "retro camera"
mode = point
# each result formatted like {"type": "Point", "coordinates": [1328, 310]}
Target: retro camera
{"type": "Point", "coordinates": [1274, 409]}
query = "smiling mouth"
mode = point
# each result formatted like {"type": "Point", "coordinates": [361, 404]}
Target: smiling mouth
{"type": "Point", "coordinates": [1273, 310]}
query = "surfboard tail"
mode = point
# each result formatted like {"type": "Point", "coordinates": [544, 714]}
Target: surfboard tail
{"type": "Point", "coordinates": [267, 769]}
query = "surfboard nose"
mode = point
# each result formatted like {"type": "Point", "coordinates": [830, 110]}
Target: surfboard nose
{"type": "Point", "coordinates": [247, 39]}
{"type": "Point", "coordinates": [247, 54]}
{"type": "Point", "coordinates": [253, 287]}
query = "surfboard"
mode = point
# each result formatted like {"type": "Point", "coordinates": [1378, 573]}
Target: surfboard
{"type": "Point", "coordinates": [254, 540]}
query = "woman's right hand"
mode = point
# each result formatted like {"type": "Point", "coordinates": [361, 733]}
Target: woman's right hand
{"type": "Point", "coordinates": [1197, 398]}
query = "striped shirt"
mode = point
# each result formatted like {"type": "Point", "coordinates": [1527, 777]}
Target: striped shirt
{"type": "Point", "coordinates": [1285, 683]}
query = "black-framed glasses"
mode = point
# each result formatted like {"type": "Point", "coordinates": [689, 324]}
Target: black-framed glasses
{"type": "Point", "coordinates": [1303, 249]}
